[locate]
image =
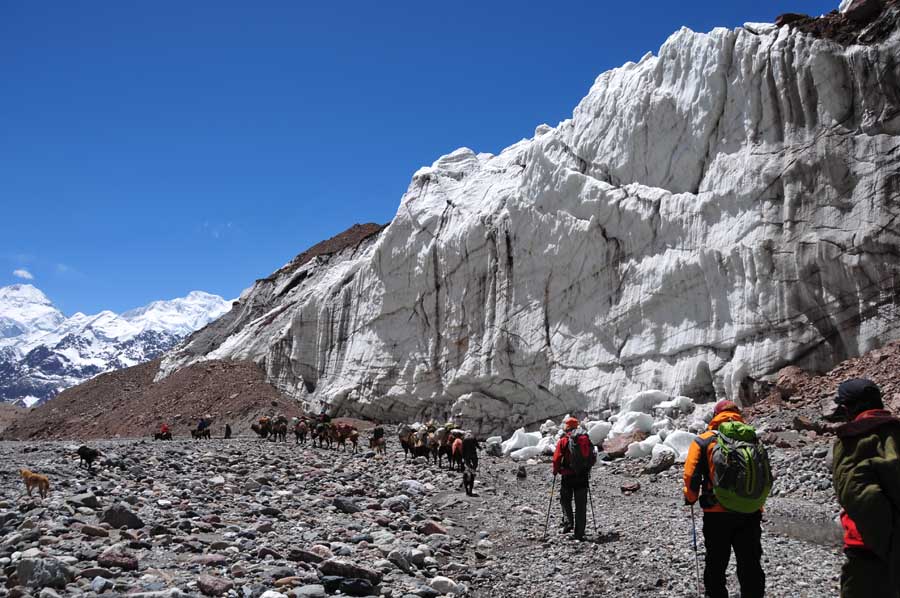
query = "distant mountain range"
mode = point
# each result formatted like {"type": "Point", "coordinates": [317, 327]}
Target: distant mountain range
{"type": "Point", "coordinates": [43, 352]}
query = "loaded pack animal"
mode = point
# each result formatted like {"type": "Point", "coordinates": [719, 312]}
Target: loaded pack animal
{"type": "Point", "coordinates": [469, 481]}
{"type": "Point", "coordinates": [301, 430]}
{"type": "Point", "coordinates": [456, 453]}
{"type": "Point", "coordinates": [323, 434]}
{"type": "Point", "coordinates": [378, 442]}
{"type": "Point", "coordinates": [439, 446]}
{"type": "Point", "coordinates": [164, 433]}
{"type": "Point", "coordinates": [87, 455]}
{"type": "Point", "coordinates": [204, 433]}
{"type": "Point", "coordinates": [422, 443]}
{"type": "Point", "coordinates": [470, 451]}
{"type": "Point", "coordinates": [344, 432]}
{"type": "Point", "coordinates": [35, 480]}
{"type": "Point", "coordinates": [279, 429]}
{"type": "Point", "coordinates": [263, 427]}
{"type": "Point", "coordinates": [407, 437]}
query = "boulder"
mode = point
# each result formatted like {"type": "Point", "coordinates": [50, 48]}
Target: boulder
{"type": "Point", "coordinates": [863, 11]}
{"type": "Point", "coordinates": [346, 505]}
{"type": "Point", "coordinates": [213, 586]}
{"type": "Point", "coordinates": [598, 432]}
{"type": "Point", "coordinates": [663, 458]}
{"type": "Point", "coordinates": [432, 527]}
{"type": "Point", "coordinates": [339, 568]}
{"type": "Point", "coordinates": [631, 421]}
{"type": "Point", "coordinates": [444, 585]}
{"type": "Point", "coordinates": [616, 447]}
{"type": "Point", "coordinates": [356, 587]}
{"type": "Point", "coordinates": [40, 573]}
{"type": "Point", "coordinates": [788, 18]}
{"type": "Point", "coordinates": [119, 516]}
{"type": "Point", "coordinates": [642, 448]}
{"type": "Point", "coordinates": [644, 401]}
{"type": "Point", "coordinates": [680, 442]}
{"type": "Point", "coordinates": [118, 557]}
{"type": "Point", "coordinates": [791, 380]}
{"type": "Point", "coordinates": [86, 500]}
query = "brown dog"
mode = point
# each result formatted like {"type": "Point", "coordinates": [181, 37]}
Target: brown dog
{"type": "Point", "coordinates": [35, 480]}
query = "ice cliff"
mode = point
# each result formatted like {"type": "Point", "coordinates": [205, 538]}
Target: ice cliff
{"type": "Point", "coordinates": [707, 216]}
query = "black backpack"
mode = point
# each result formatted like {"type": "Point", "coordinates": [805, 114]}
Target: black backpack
{"type": "Point", "coordinates": [580, 463]}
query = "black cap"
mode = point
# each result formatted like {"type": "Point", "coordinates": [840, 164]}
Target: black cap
{"type": "Point", "coordinates": [858, 391]}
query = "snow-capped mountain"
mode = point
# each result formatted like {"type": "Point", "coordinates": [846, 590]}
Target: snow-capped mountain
{"type": "Point", "coordinates": [43, 352]}
{"type": "Point", "coordinates": [707, 216]}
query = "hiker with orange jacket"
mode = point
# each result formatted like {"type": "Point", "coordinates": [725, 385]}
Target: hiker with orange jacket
{"type": "Point", "coordinates": [723, 529]}
{"type": "Point", "coordinates": [573, 458]}
{"type": "Point", "coordinates": [866, 471]}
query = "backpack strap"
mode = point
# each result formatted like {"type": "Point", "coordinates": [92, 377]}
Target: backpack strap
{"type": "Point", "coordinates": [701, 473]}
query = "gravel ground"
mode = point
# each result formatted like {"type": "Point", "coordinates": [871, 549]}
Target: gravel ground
{"type": "Point", "coordinates": [241, 518]}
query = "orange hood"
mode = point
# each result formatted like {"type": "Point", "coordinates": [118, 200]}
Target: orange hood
{"type": "Point", "coordinates": [725, 416]}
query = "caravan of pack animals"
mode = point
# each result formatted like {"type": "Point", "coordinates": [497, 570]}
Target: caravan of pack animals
{"type": "Point", "coordinates": [437, 444]}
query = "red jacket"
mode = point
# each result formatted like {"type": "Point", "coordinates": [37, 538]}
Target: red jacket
{"type": "Point", "coordinates": [561, 457]}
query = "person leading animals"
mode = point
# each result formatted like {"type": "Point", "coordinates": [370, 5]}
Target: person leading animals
{"type": "Point", "coordinates": [725, 529]}
{"type": "Point", "coordinates": [572, 460]}
{"type": "Point", "coordinates": [866, 473]}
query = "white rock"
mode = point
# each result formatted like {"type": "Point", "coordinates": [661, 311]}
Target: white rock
{"type": "Point", "coordinates": [444, 585]}
{"type": "Point", "coordinates": [639, 450]}
{"type": "Point", "coordinates": [680, 441]}
{"type": "Point", "coordinates": [644, 401]}
{"type": "Point", "coordinates": [519, 440]}
{"type": "Point", "coordinates": [549, 427]}
{"type": "Point", "coordinates": [662, 426]}
{"type": "Point", "coordinates": [547, 445]}
{"type": "Point", "coordinates": [662, 448]}
{"type": "Point", "coordinates": [599, 431]}
{"type": "Point", "coordinates": [631, 421]}
{"type": "Point", "coordinates": [675, 406]}
{"type": "Point", "coordinates": [760, 28]}
{"type": "Point", "coordinates": [528, 452]}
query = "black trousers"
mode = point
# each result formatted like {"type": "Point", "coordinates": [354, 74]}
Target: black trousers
{"type": "Point", "coordinates": [864, 575]}
{"type": "Point", "coordinates": [723, 532]}
{"type": "Point", "coordinates": [569, 490]}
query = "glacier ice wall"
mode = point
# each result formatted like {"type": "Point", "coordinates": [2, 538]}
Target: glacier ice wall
{"type": "Point", "coordinates": [707, 216]}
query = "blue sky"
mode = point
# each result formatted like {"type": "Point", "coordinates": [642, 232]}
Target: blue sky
{"type": "Point", "coordinates": [149, 149]}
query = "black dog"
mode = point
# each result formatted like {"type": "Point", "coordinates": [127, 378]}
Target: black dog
{"type": "Point", "coordinates": [469, 481]}
{"type": "Point", "coordinates": [87, 455]}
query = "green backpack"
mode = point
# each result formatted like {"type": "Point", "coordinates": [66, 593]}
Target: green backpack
{"type": "Point", "coordinates": [742, 475]}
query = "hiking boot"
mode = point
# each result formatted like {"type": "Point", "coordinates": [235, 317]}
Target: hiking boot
{"type": "Point", "coordinates": [567, 529]}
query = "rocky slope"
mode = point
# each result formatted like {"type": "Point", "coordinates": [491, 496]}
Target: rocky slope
{"type": "Point", "coordinates": [42, 351]}
{"type": "Point", "coordinates": [707, 216]}
{"type": "Point", "coordinates": [129, 404]}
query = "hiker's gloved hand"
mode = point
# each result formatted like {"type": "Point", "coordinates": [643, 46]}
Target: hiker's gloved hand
{"type": "Point", "coordinates": [689, 503]}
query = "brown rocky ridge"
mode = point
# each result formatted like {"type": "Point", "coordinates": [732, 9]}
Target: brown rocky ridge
{"type": "Point", "coordinates": [127, 403]}
{"type": "Point", "coordinates": [865, 22]}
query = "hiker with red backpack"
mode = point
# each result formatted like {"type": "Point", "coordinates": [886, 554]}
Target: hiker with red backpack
{"type": "Point", "coordinates": [573, 458]}
{"type": "Point", "coordinates": [728, 471]}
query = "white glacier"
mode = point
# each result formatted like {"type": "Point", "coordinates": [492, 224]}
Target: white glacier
{"type": "Point", "coordinates": [705, 217]}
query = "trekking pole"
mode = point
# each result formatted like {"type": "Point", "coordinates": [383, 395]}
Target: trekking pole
{"type": "Point", "coordinates": [549, 505]}
{"type": "Point", "coordinates": [696, 557]}
{"type": "Point", "coordinates": [593, 516]}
